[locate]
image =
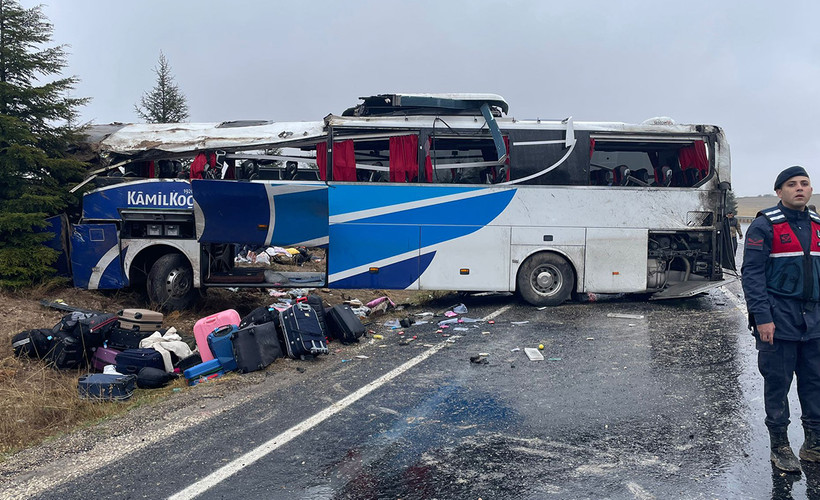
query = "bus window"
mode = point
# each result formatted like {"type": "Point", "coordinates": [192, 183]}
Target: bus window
{"type": "Point", "coordinates": [682, 163]}
{"type": "Point", "coordinates": [466, 160]}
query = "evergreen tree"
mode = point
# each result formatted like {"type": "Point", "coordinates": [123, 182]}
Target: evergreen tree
{"type": "Point", "coordinates": [35, 129]}
{"type": "Point", "coordinates": [731, 202]}
{"type": "Point", "coordinates": [165, 103]}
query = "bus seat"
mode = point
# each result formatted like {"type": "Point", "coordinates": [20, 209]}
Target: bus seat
{"type": "Point", "coordinates": [692, 176]}
{"type": "Point", "coordinates": [621, 175]}
{"type": "Point", "coordinates": [601, 177]}
{"type": "Point", "coordinates": [664, 176]}
{"type": "Point", "coordinates": [642, 175]}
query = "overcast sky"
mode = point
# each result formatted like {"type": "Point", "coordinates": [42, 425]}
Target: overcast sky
{"type": "Point", "coordinates": [751, 67]}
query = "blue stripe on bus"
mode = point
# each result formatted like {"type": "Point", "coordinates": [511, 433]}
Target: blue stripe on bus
{"type": "Point", "coordinates": [474, 211]}
{"type": "Point", "coordinates": [353, 245]}
{"type": "Point", "coordinates": [398, 276]}
{"type": "Point", "coordinates": [355, 198]}
{"type": "Point", "coordinates": [300, 217]}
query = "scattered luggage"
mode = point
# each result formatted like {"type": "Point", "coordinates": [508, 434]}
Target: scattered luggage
{"type": "Point", "coordinates": [256, 346]}
{"type": "Point", "coordinates": [89, 328]}
{"type": "Point", "coordinates": [302, 332]}
{"type": "Point", "coordinates": [318, 305]}
{"type": "Point", "coordinates": [153, 378]}
{"type": "Point", "coordinates": [131, 361]}
{"type": "Point", "coordinates": [67, 352]}
{"type": "Point", "coordinates": [32, 343]}
{"type": "Point", "coordinates": [185, 363]}
{"type": "Point", "coordinates": [103, 356]}
{"type": "Point", "coordinates": [204, 371]}
{"type": "Point", "coordinates": [144, 320]}
{"type": "Point", "coordinates": [258, 316]}
{"type": "Point", "coordinates": [206, 325]}
{"type": "Point", "coordinates": [104, 387]}
{"type": "Point", "coordinates": [221, 346]}
{"type": "Point", "coordinates": [343, 324]}
{"type": "Point", "coordinates": [120, 338]}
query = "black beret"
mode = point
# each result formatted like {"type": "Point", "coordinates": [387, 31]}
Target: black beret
{"type": "Point", "coordinates": [788, 174]}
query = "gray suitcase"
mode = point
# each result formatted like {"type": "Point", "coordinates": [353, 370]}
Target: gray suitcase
{"type": "Point", "coordinates": [144, 320]}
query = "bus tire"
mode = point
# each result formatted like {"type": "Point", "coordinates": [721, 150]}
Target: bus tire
{"type": "Point", "coordinates": [545, 279]}
{"type": "Point", "coordinates": [171, 283]}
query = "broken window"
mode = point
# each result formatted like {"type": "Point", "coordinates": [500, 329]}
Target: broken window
{"type": "Point", "coordinates": [466, 160]}
{"type": "Point", "coordinates": [647, 162]}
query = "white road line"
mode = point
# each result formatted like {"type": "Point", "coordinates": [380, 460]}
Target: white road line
{"type": "Point", "coordinates": [252, 456]}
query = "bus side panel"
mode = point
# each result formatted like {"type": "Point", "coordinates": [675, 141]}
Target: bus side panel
{"type": "Point", "coordinates": [391, 250]}
{"type": "Point", "coordinates": [485, 266]}
{"type": "Point", "coordinates": [616, 260]}
{"type": "Point", "coordinates": [95, 257]}
{"type": "Point", "coordinates": [260, 213]}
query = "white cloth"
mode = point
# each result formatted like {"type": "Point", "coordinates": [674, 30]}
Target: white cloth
{"type": "Point", "coordinates": [166, 344]}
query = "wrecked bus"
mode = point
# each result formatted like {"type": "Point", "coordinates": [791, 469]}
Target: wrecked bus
{"type": "Point", "coordinates": [410, 191]}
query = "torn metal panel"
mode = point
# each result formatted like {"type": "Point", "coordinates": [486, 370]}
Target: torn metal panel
{"type": "Point", "coordinates": [179, 138]}
{"type": "Point", "coordinates": [689, 289]}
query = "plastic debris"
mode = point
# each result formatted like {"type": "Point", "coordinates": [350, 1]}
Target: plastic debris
{"type": "Point", "coordinates": [542, 308]}
{"type": "Point", "coordinates": [450, 314]}
{"type": "Point", "coordinates": [392, 323]}
{"type": "Point", "coordinates": [425, 314]}
{"type": "Point", "coordinates": [447, 321]}
{"type": "Point", "coordinates": [384, 299]}
{"type": "Point", "coordinates": [515, 349]}
{"type": "Point", "coordinates": [491, 322]}
{"type": "Point", "coordinates": [519, 322]}
{"type": "Point", "coordinates": [485, 333]}
{"type": "Point", "coordinates": [534, 354]}
{"type": "Point", "coordinates": [460, 329]}
{"type": "Point", "coordinates": [624, 316]}
{"type": "Point", "coordinates": [460, 309]}
{"type": "Point", "coordinates": [378, 337]}
{"type": "Point", "coordinates": [362, 356]}
{"type": "Point", "coordinates": [590, 338]}
{"type": "Point", "coordinates": [468, 320]}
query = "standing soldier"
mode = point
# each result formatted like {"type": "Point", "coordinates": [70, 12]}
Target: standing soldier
{"type": "Point", "coordinates": [734, 228]}
{"type": "Point", "coordinates": [781, 282]}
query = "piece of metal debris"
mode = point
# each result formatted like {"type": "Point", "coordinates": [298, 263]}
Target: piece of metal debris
{"type": "Point", "coordinates": [624, 316]}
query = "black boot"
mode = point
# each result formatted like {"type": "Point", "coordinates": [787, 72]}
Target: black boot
{"type": "Point", "coordinates": [782, 455]}
{"type": "Point", "coordinates": [810, 451]}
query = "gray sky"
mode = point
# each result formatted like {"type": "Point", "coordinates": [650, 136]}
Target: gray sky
{"type": "Point", "coordinates": [751, 67]}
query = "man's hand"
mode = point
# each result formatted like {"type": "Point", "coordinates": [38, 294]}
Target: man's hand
{"type": "Point", "coordinates": [766, 332]}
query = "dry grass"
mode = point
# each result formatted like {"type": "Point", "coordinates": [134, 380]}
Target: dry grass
{"type": "Point", "coordinates": [38, 402]}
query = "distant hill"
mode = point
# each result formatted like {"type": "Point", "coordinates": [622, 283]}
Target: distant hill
{"type": "Point", "coordinates": [749, 206]}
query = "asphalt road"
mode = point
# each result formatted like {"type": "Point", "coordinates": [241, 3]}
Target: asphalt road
{"type": "Point", "coordinates": [664, 402]}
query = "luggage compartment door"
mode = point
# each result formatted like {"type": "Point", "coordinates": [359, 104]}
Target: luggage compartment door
{"type": "Point", "coordinates": [375, 256]}
{"type": "Point", "coordinates": [478, 260]}
{"type": "Point", "coordinates": [96, 257]}
{"type": "Point", "coordinates": [616, 260]}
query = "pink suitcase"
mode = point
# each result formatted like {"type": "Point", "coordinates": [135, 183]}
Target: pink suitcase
{"type": "Point", "coordinates": [207, 325]}
{"type": "Point", "coordinates": [103, 356]}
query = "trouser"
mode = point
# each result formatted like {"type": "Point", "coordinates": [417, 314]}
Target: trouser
{"type": "Point", "coordinates": [779, 363]}
{"type": "Point", "coordinates": [734, 245]}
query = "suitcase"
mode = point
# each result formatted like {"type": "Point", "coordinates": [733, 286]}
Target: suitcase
{"type": "Point", "coordinates": [206, 325]}
{"type": "Point", "coordinates": [258, 316]}
{"type": "Point", "coordinates": [122, 339]}
{"type": "Point", "coordinates": [130, 361]}
{"type": "Point", "coordinates": [185, 363]}
{"type": "Point", "coordinates": [203, 371]}
{"type": "Point", "coordinates": [343, 324]}
{"type": "Point", "coordinates": [318, 305]}
{"type": "Point", "coordinates": [144, 320]}
{"type": "Point", "coordinates": [66, 352]}
{"type": "Point", "coordinates": [256, 346]}
{"type": "Point", "coordinates": [221, 346]}
{"type": "Point", "coordinates": [89, 328]}
{"type": "Point", "coordinates": [32, 343]}
{"type": "Point", "coordinates": [104, 387]}
{"type": "Point", "coordinates": [103, 356]}
{"type": "Point", "coordinates": [153, 378]}
{"type": "Point", "coordinates": [301, 331]}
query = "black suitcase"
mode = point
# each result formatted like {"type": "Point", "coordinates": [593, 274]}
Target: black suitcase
{"type": "Point", "coordinates": [32, 343]}
{"type": "Point", "coordinates": [258, 316]}
{"type": "Point", "coordinates": [302, 332]}
{"type": "Point", "coordinates": [121, 338]}
{"type": "Point", "coordinates": [66, 352]}
{"type": "Point", "coordinates": [131, 361]}
{"type": "Point", "coordinates": [153, 378]}
{"type": "Point", "coordinates": [185, 363]}
{"type": "Point", "coordinates": [256, 346]}
{"type": "Point", "coordinates": [105, 387]}
{"type": "Point", "coordinates": [318, 305]}
{"type": "Point", "coordinates": [343, 324]}
{"type": "Point", "coordinates": [89, 328]}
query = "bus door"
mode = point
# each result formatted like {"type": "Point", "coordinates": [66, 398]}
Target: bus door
{"type": "Point", "coordinates": [96, 258]}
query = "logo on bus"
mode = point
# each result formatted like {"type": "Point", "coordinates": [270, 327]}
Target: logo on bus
{"type": "Point", "coordinates": [174, 199]}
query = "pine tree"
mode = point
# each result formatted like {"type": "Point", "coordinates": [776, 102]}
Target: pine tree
{"type": "Point", "coordinates": [165, 103]}
{"type": "Point", "coordinates": [35, 129]}
{"type": "Point", "coordinates": [731, 202]}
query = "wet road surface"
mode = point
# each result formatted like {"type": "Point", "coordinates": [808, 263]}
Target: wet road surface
{"type": "Point", "coordinates": [661, 400]}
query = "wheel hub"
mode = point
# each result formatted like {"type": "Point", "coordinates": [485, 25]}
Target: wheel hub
{"type": "Point", "coordinates": [547, 280]}
{"type": "Point", "coordinates": [544, 279]}
{"type": "Point", "coordinates": [176, 283]}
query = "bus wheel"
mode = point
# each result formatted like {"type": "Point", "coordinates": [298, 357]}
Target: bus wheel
{"type": "Point", "coordinates": [171, 283]}
{"type": "Point", "coordinates": [545, 279]}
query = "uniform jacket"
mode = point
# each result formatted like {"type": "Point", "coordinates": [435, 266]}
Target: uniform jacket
{"type": "Point", "coordinates": [772, 294]}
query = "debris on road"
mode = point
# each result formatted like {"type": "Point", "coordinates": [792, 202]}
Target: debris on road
{"type": "Point", "coordinates": [624, 316]}
{"type": "Point", "coordinates": [533, 354]}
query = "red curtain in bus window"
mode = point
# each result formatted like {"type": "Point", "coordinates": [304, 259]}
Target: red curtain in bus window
{"type": "Point", "coordinates": [197, 170]}
{"type": "Point", "coordinates": [404, 164]}
{"type": "Point", "coordinates": [694, 156]}
{"type": "Point", "coordinates": [321, 160]}
{"type": "Point", "coordinates": [344, 161]}
{"type": "Point", "coordinates": [151, 170]}
{"type": "Point", "coordinates": [591, 147]}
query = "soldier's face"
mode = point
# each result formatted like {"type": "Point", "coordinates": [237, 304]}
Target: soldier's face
{"type": "Point", "coordinates": [795, 192]}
